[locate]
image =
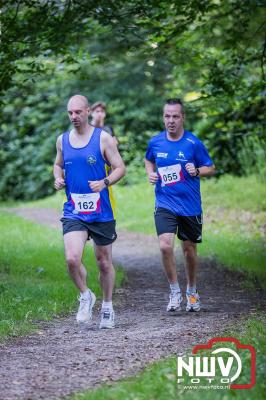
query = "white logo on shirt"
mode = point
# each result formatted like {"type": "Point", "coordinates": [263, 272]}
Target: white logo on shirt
{"type": "Point", "coordinates": [163, 155]}
{"type": "Point", "coordinates": [181, 156]}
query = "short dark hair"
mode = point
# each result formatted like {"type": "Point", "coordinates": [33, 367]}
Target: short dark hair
{"type": "Point", "coordinates": [98, 104]}
{"type": "Point", "coordinates": [174, 101]}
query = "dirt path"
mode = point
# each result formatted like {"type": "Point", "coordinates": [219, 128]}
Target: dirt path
{"type": "Point", "coordinates": [62, 358]}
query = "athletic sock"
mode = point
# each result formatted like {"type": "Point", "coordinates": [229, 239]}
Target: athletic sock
{"type": "Point", "coordinates": [107, 305]}
{"type": "Point", "coordinates": [191, 289]}
{"type": "Point", "coordinates": [174, 287]}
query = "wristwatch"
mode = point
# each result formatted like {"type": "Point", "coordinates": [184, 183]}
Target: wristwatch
{"type": "Point", "coordinates": [198, 172]}
{"type": "Point", "coordinates": [106, 181]}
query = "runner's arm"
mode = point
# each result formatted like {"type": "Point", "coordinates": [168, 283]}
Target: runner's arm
{"type": "Point", "coordinates": [201, 171]}
{"type": "Point", "coordinates": [150, 169]}
{"type": "Point", "coordinates": [58, 170]}
{"type": "Point", "coordinates": [111, 154]}
{"type": "Point", "coordinates": [202, 165]}
{"type": "Point", "coordinates": [207, 171]}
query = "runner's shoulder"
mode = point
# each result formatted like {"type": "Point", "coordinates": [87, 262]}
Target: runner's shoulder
{"type": "Point", "coordinates": [192, 138]}
{"type": "Point", "coordinates": [106, 140]}
{"type": "Point", "coordinates": [59, 140]}
{"type": "Point", "coordinates": [105, 136]}
{"type": "Point", "coordinates": [157, 138]}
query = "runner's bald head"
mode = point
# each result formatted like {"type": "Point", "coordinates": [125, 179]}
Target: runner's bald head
{"type": "Point", "coordinates": [78, 101]}
{"type": "Point", "coordinates": [78, 110]}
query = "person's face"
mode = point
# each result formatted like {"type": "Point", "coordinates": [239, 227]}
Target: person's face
{"type": "Point", "coordinates": [98, 116]}
{"type": "Point", "coordinates": [173, 117]}
{"type": "Point", "coordinates": [78, 112]}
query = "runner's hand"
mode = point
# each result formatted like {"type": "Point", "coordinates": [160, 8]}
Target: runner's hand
{"type": "Point", "coordinates": [191, 169]}
{"type": "Point", "coordinates": [97, 186]}
{"type": "Point", "coordinates": [153, 178]}
{"type": "Point", "coordinates": [59, 183]}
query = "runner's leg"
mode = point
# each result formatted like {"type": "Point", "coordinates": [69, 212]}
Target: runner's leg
{"type": "Point", "coordinates": [191, 261]}
{"type": "Point", "coordinates": [166, 243]}
{"type": "Point", "coordinates": [83, 274]}
{"type": "Point", "coordinates": [103, 256]}
{"type": "Point", "coordinates": [74, 245]}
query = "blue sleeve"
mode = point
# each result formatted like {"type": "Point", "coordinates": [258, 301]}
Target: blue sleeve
{"type": "Point", "coordinates": [149, 153]}
{"type": "Point", "coordinates": [202, 156]}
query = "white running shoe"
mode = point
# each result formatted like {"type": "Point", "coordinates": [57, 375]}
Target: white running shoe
{"type": "Point", "coordinates": [193, 302]}
{"type": "Point", "coordinates": [84, 314]}
{"type": "Point", "coordinates": [175, 300]}
{"type": "Point", "coordinates": [107, 319]}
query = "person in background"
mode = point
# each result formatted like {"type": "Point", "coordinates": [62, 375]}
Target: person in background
{"type": "Point", "coordinates": [98, 115]}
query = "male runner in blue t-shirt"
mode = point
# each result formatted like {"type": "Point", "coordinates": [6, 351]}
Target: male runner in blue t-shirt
{"type": "Point", "coordinates": [175, 161]}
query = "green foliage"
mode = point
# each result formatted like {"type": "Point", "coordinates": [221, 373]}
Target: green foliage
{"type": "Point", "coordinates": [241, 194]}
{"type": "Point", "coordinates": [32, 120]}
{"type": "Point", "coordinates": [35, 31]}
{"type": "Point", "coordinates": [252, 157]}
{"type": "Point", "coordinates": [36, 114]}
{"type": "Point", "coordinates": [228, 122]}
{"type": "Point", "coordinates": [133, 55]}
{"type": "Point", "coordinates": [224, 53]}
{"type": "Point", "coordinates": [34, 284]}
{"type": "Point", "coordinates": [237, 252]}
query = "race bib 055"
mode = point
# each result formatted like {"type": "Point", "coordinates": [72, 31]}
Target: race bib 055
{"type": "Point", "coordinates": [170, 174]}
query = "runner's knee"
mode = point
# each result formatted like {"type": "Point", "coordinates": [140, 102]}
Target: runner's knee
{"type": "Point", "coordinates": [73, 261]}
{"type": "Point", "coordinates": [103, 263]}
{"type": "Point", "coordinates": [166, 247]}
{"type": "Point", "coordinates": [189, 249]}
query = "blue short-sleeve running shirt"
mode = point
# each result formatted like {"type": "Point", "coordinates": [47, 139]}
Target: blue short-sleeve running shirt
{"type": "Point", "coordinates": [175, 189]}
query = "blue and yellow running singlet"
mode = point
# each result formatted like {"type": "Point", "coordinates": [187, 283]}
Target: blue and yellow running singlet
{"type": "Point", "coordinates": [82, 165]}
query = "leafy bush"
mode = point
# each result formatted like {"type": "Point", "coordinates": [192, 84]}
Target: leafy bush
{"type": "Point", "coordinates": [252, 156]}
{"type": "Point", "coordinates": [210, 54]}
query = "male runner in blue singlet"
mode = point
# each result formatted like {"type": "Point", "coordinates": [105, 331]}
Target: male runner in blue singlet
{"type": "Point", "coordinates": [83, 157]}
{"type": "Point", "coordinates": [175, 161]}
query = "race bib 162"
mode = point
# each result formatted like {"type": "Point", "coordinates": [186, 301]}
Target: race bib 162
{"type": "Point", "coordinates": [85, 203]}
